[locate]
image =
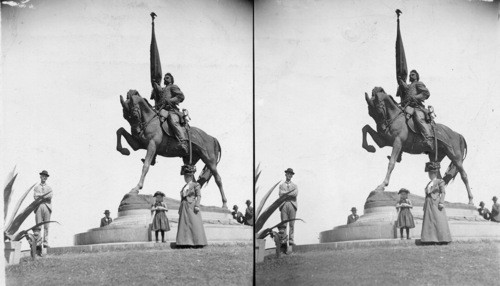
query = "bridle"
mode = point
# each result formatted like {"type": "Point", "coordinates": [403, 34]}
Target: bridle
{"type": "Point", "coordinates": [380, 105]}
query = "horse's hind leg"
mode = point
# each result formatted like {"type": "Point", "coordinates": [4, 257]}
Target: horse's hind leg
{"type": "Point", "coordinates": [465, 179]}
{"type": "Point", "coordinates": [211, 163]}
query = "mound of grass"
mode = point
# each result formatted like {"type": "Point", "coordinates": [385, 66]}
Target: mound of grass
{"type": "Point", "coordinates": [213, 265]}
{"type": "Point", "coordinates": [454, 264]}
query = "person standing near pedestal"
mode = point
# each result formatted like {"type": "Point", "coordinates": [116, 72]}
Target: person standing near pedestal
{"type": "Point", "coordinates": [288, 208]}
{"type": "Point", "coordinates": [248, 220]}
{"type": "Point", "coordinates": [435, 228]}
{"type": "Point", "coordinates": [43, 212]}
{"type": "Point", "coordinates": [495, 210]}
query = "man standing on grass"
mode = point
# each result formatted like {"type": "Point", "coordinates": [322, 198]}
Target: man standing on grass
{"type": "Point", "coordinates": [495, 210]}
{"type": "Point", "coordinates": [43, 212]}
{"type": "Point", "coordinates": [288, 208]}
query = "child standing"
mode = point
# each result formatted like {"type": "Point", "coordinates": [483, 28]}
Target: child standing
{"type": "Point", "coordinates": [160, 220]}
{"type": "Point", "coordinates": [405, 218]}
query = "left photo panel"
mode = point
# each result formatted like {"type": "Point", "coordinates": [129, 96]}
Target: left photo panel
{"type": "Point", "coordinates": [127, 135]}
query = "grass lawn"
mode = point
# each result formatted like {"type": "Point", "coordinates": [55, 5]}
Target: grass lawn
{"type": "Point", "coordinates": [213, 265]}
{"type": "Point", "coordinates": [454, 264]}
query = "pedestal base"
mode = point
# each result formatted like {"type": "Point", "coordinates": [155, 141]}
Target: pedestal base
{"type": "Point", "coordinates": [133, 224]}
{"type": "Point", "coordinates": [379, 221]}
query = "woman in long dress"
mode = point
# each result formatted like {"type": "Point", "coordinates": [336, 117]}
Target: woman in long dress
{"type": "Point", "coordinates": [435, 227]}
{"type": "Point", "coordinates": [190, 231]}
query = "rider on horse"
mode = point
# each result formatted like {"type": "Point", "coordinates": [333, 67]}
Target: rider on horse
{"type": "Point", "coordinates": [167, 98]}
{"type": "Point", "coordinates": [413, 95]}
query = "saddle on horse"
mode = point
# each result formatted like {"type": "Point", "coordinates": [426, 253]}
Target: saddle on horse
{"type": "Point", "coordinates": [422, 124]}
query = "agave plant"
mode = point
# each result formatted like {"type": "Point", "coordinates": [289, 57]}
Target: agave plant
{"type": "Point", "coordinates": [12, 225]}
{"type": "Point", "coordinates": [263, 216]}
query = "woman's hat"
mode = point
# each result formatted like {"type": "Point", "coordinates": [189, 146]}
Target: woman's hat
{"type": "Point", "coordinates": [432, 166]}
{"type": "Point", "coordinates": [188, 169]}
{"type": "Point", "coordinates": [289, 170]}
{"type": "Point", "coordinates": [44, 173]}
{"type": "Point", "coordinates": [159, 194]}
{"type": "Point", "coordinates": [106, 212]}
{"type": "Point", "coordinates": [403, 190]}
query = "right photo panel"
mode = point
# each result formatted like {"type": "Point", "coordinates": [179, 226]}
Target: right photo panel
{"type": "Point", "coordinates": [376, 142]}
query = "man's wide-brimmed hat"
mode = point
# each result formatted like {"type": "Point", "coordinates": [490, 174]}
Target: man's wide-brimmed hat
{"type": "Point", "coordinates": [159, 194]}
{"type": "Point", "coordinates": [106, 212]}
{"type": "Point", "coordinates": [403, 190]}
{"type": "Point", "coordinates": [353, 209]}
{"type": "Point", "coordinates": [44, 173]}
{"type": "Point", "coordinates": [188, 169]}
{"type": "Point", "coordinates": [432, 166]}
{"type": "Point", "coordinates": [289, 170]}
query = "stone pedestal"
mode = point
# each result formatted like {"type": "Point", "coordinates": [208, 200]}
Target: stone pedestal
{"type": "Point", "coordinates": [133, 224]}
{"type": "Point", "coordinates": [380, 215]}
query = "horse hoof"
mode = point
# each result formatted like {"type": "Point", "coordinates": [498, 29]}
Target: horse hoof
{"type": "Point", "coordinates": [370, 149]}
{"type": "Point", "coordinates": [224, 206]}
{"type": "Point", "coordinates": [471, 202]}
{"type": "Point", "coordinates": [125, 151]}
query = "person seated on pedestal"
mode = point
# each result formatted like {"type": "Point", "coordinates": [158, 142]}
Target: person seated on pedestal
{"type": "Point", "coordinates": [352, 217]}
{"type": "Point", "coordinates": [249, 213]}
{"type": "Point", "coordinates": [106, 220]}
{"type": "Point", "coordinates": [238, 216]}
{"type": "Point", "coordinates": [484, 212]}
{"type": "Point", "coordinates": [495, 210]}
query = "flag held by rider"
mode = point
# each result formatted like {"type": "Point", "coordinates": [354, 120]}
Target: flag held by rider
{"type": "Point", "coordinates": [401, 67]}
{"type": "Point", "coordinates": [154, 55]}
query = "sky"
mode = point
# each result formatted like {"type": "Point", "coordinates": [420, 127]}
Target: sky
{"type": "Point", "coordinates": [314, 60]}
{"type": "Point", "coordinates": [64, 66]}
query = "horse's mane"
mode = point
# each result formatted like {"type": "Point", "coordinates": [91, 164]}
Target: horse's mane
{"type": "Point", "coordinates": [133, 92]}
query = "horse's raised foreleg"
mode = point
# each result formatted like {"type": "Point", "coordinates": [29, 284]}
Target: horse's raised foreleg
{"type": "Point", "coordinates": [130, 140]}
{"type": "Point", "coordinates": [367, 129]}
{"type": "Point", "coordinates": [145, 168]}
{"type": "Point", "coordinates": [396, 149]}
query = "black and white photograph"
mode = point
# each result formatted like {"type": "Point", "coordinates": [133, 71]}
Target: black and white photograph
{"type": "Point", "coordinates": [250, 142]}
{"type": "Point", "coordinates": [134, 121]}
{"type": "Point", "coordinates": [373, 186]}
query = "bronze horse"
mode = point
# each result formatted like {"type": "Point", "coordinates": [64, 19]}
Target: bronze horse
{"type": "Point", "coordinates": [147, 133]}
{"type": "Point", "coordinates": [394, 128]}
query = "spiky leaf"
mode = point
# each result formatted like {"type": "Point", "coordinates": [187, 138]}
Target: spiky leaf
{"type": "Point", "coordinates": [7, 192]}
{"type": "Point", "coordinates": [261, 220]}
{"type": "Point", "coordinates": [13, 227]}
{"type": "Point", "coordinates": [18, 205]}
{"type": "Point", "coordinates": [267, 231]}
{"type": "Point", "coordinates": [18, 236]}
{"type": "Point", "coordinates": [264, 199]}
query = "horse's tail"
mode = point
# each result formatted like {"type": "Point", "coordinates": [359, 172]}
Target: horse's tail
{"type": "Point", "coordinates": [452, 170]}
{"type": "Point", "coordinates": [206, 174]}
